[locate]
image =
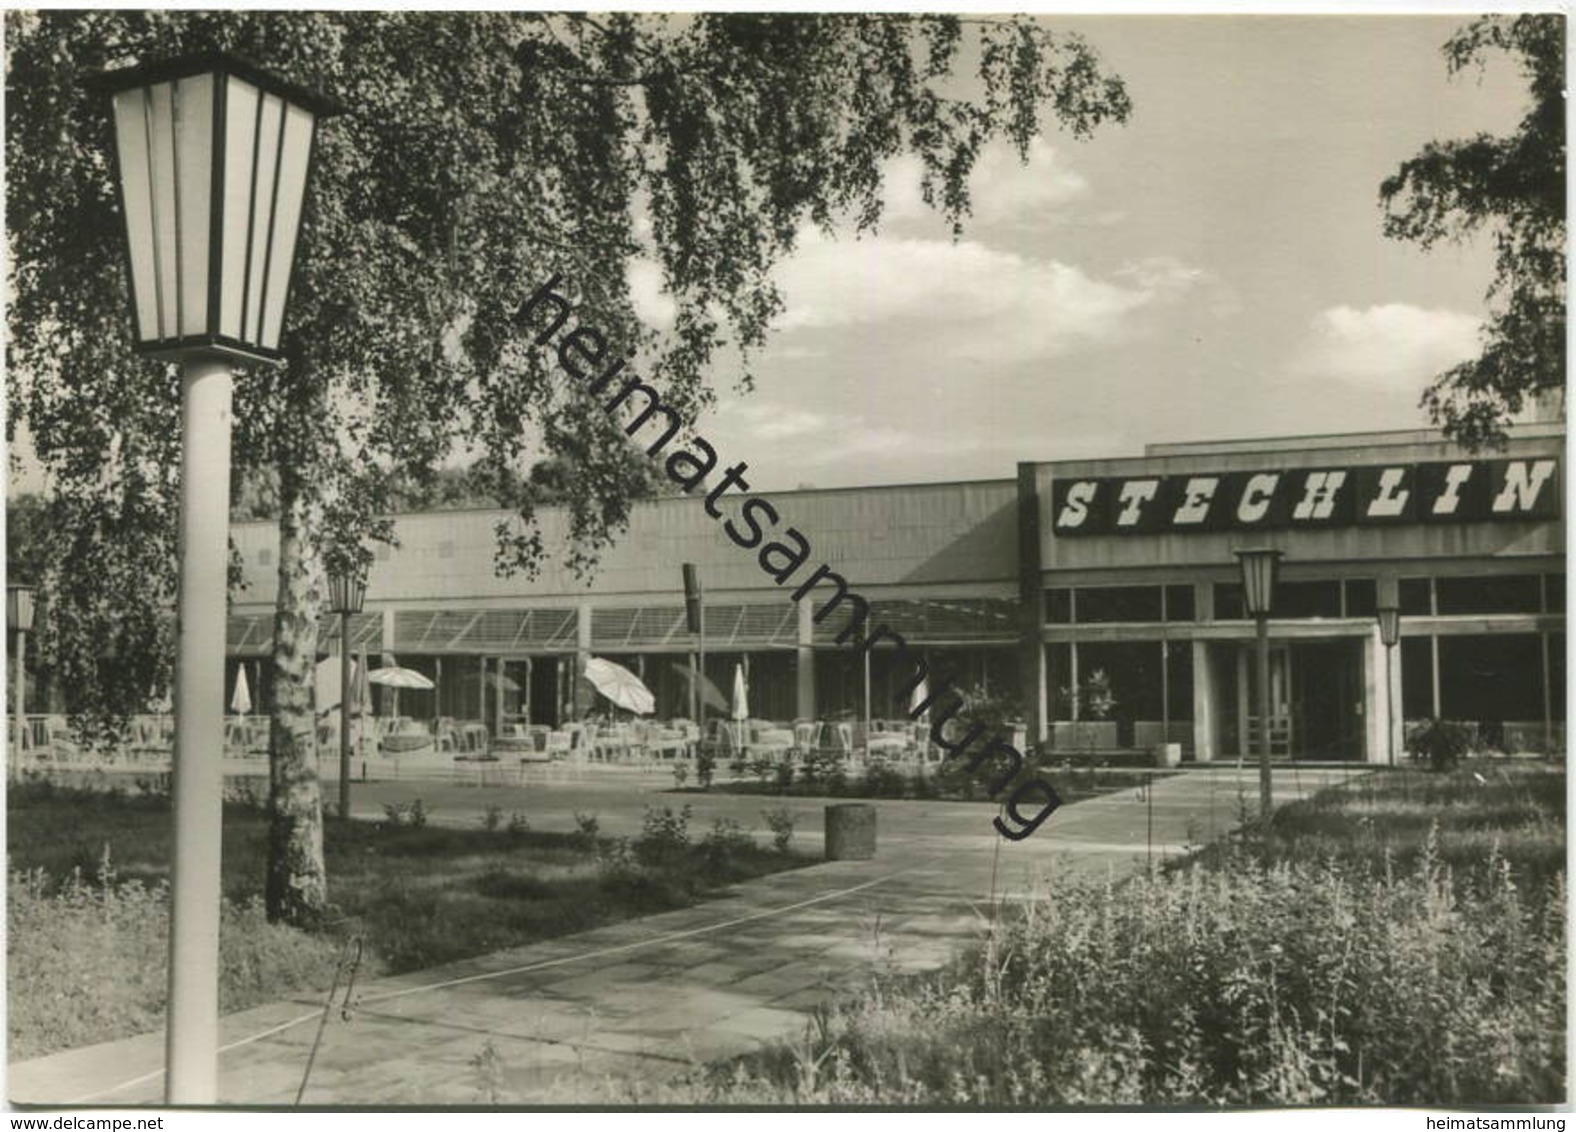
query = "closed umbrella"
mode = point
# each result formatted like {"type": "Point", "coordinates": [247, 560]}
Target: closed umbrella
{"type": "Point", "coordinates": [741, 706]}
{"type": "Point", "coordinates": [921, 694]}
{"type": "Point", "coordinates": [241, 698]}
{"type": "Point", "coordinates": [620, 685]}
{"type": "Point", "coordinates": [741, 694]}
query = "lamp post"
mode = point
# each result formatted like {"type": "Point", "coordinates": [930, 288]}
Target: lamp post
{"type": "Point", "coordinates": [347, 589]}
{"type": "Point", "coordinates": [1389, 615]}
{"type": "Point", "coordinates": [1259, 567]}
{"type": "Point", "coordinates": [19, 619]}
{"type": "Point", "coordinates": [211, 161]}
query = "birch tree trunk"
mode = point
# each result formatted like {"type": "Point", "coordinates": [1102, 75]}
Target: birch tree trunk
{"type": "Point", "coordinates": [297, 884]}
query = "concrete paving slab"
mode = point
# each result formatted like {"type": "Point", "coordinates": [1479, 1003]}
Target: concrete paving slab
{"type": "Point", "coordinates": [608, 1013]}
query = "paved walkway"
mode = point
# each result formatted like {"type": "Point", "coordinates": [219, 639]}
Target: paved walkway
{"type": "Point", "coordinates": [577, 1019]}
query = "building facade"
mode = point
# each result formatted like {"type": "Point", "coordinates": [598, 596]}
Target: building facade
{"type": "Point", "coordinates": [1100, 598]}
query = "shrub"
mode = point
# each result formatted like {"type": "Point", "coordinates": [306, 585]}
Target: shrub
{"type": "Point", "coordinates": [782, 777]}
{"type": "Point", "coordinates": [1297, 983]}
{"type": "Point", "coordinates": [680, 773]}
{"type": "Point", "coordinates": [705, 766]}
{"type": "Point", "coordinates": [1441, 741]}
{"type": "Point", "coordinates": [664, 835]}
{"type": "Point", "coordinates": [518, 825]}
{"type": "Point", "coordinates": [492, 818]}
{"type": "Point", "coordinates": [87, 959]}
{"type": "Point", "coordinates": [883, 782]}
{"type": "Point", "coordinates": [395, 813]}
{"type": "Point", "coordinates": [727, 841]}
{"type": "Point", "coordinates": [780, 822]}
{"type": "Point", "coordinates": [587, 830]}
{"type": "Point", "coordinates": [418, 814]}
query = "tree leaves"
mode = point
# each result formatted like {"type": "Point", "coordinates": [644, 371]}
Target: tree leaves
{"type": "Point", "coordinates": [1514, 188]}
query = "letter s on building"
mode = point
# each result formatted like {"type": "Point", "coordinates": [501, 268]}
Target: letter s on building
{"type": "Point", "coordinates": [1075, 509]}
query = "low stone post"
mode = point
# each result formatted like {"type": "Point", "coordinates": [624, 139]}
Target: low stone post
{"type": "Point", "coordinates": [851, 832]}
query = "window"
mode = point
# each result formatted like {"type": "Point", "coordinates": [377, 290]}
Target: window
{"type": "Point", "coordinates": [1554, 593]}
{"type": "Point", "coordinates": [1229, 605]}
{"type": "Point", "coordinates": [1509, 593]}
{"type": "Point", "coordinates": [1362, 597]}
{"type": "Point", "coordinates": [1059, 606]}
{"type": "Point", "coordinates": [1417, 677]}
{"type": "Point", "coordinates": [1102, 604]}
{"type": "Point", "coordinates": [1179, 604]}
{"type": "Point", "coordinates": [1413, 596]}
{"type": "Point", "coordinates": [1306, 599]}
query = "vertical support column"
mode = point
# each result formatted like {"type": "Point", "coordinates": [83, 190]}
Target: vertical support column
{"type": "Point", "coordinates": [804, 652]}
{"type": "Point", "coordinates": [192, 1032]}
{"type": "Point", "coordinates": [1377, 686]}
{"type": "Point", "coordinates": [582, 653]}
{"type": "Point", "coordinates": [1396, 741]}
{"type": "Point", "coordinates": [1244, 741]}
{"type": "Point", "coordinates": [1206, 730]}
{"type": "Point", "coordinates": [1031, 604]}
{"type": "Point", "coordinates": [1548, 698]}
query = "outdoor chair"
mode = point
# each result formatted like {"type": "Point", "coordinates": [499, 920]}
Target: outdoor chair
{"type": "Point", "coordinates": [771, 742]}
{"type": "Point", "coordinates": [805, 734]}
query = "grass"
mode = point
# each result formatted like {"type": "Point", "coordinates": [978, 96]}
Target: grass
{"type": "Point", "coordinates": [1400, 940]}
{"type": "Point", "coordinates": [88, 901]}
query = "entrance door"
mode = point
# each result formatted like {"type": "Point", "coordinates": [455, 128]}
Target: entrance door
{"type": "Point", "coordinates": [1327, 699]}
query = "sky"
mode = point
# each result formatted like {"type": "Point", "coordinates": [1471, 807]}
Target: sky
{"type": "Point", "coordinates": [1214, 268]}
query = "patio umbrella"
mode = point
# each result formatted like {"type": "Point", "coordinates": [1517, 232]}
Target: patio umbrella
{"type": "Point", "coordinates": [241, 698]}
{"type": "Point", "coordinates": [921, 694]}
{"type": "Point", "coordinates": [710, 694]}
{"type": "Point", "coordinates": [741, 694]}
{"type": "Point", "coordinates": [395, 677]}
{"type": "Point", "coordinates": [620, 685]}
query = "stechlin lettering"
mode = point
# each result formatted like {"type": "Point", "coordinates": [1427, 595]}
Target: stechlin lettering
{"type": "Point", "coordinates": [1445, 492]}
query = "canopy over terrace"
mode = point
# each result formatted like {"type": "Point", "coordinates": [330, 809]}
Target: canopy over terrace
{"type": "Point", "coordinates": [936, 562]}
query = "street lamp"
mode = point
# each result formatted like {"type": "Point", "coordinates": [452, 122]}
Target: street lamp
{"type": "Point", "coordinates": [1389, 615]}
{"type": "Point", "coordinates": [346, 590]}
{"type": "Point", "coordinates": [19, 619]}
{"type": "Point", "coordinates": [211, 161]}
{"type": "Point", "coordinates": [1259, 567]}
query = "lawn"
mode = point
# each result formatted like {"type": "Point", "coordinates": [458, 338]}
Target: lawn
{"type": "Point", "coordinates": [1398, 940]}
{"type": "Point", "coordinates": [87, 900]}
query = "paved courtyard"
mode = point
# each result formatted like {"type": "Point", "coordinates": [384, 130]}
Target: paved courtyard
{"type": "Point", "coordinates": [589, 1018]}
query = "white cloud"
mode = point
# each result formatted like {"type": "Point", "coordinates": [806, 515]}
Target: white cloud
{"type": "Point", "coordinates": [1393, 345]}
{"type": "Point", "coordinates": [975, 301]}
{"type": "Point", "coordinates": [1003, 189]}
{"type": "Point", "coordinates": [652, 306]}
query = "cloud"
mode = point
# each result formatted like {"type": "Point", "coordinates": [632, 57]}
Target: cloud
{"type": "Point", "coordinates": [1003, 189]}
{"type": "Point", "coordinates": [966, 298]}
{"type": "Point", "coordinates": [1393, 345]}
{"type": "Point", "coordinates": [652, 306]}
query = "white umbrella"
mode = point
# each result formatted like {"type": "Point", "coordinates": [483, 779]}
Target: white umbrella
{"type": "Point", "coordinates": [620, 685]}
{"type": "Point", "coordinates": [393, 676]}
{"type": "Point", "coordinates": [741, 694]}
{"type": "Point", "coordinates": [241, 698]}
{"type": "Point", "coordinates": [921, 694]}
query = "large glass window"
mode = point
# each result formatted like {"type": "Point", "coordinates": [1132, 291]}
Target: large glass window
{"type": "Point", "coordinates": [1103, 604]}
{"type": "Point", "coordinates": [1413, 596]}
{"type": "Point", "coordinates": [1306, 599]}
{"type": "Point", "coordinates": [1509, 593]}
{"type": "Point", "coordinates": [1229, 605]}
{"type": "Point", "coordinates": [1491, 678]}
{"type": "Point", "coordinates": [1059, 606]}
{"type": "Point", "coordinates": [1179, 603]}
{"type": "Point", "coordinates": [1417, 677]}
{"type": "Point", "coordinates": [1362, 598]}
{"type": "Point", "coordinates": [1554, 592]}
